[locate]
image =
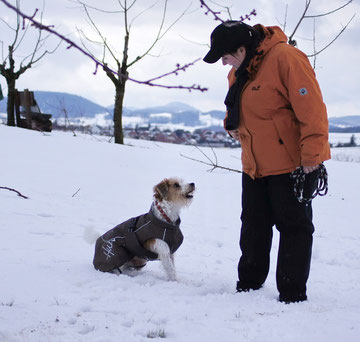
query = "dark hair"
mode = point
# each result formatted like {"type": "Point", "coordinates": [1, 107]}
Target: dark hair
{"type": "Point", "coordinates": [257, 36]}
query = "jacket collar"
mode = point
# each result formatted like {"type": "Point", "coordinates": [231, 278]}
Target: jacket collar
{"type": "Point", "coordinates": [162, 223]}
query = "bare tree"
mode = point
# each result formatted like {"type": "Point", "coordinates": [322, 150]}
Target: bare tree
{"type": "Point", "coordinates": [122, 61]}
{"type": "Point", "coordinates": [8, 67]}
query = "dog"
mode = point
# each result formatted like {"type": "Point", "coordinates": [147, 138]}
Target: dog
{"type": "Point", "coordinates": [151, 236]}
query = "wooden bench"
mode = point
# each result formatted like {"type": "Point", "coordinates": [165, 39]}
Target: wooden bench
{"type": "Point", "coordinates": [28, 113]}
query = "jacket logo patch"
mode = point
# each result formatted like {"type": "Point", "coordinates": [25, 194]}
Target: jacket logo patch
{"type": "Point", "coordinates": [303, 91]}
{"type": "Point", "coordinates": [256, 87]}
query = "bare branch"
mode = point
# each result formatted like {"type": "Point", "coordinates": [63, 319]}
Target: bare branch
{"type": "Point", "coordinates": [9, 26]}
{"type": "Point", "coordinates": [76, 193]}
{"type": "Point", "coordinates": [337, 36]}
{"type": "Point", "coordinates": [291, 40]}
{"type": "Point", "coordinates": [226, 8]}
{"type": "Point", "coordinates": [160, 33]}
{"type": "Point", "coordinates": [96, 8]}
{"type": "Point", "coordinates": [10, 189]}
{"type": "Point", "coordinates": [314, 43]}
{"type": "Point", "coordinates": [214, 164]}
{"type": "Point", "coordinates": [286, 14]}
{"type": "Point", "coordinates": [192, 42]}
{"type": "Point", "coordinates": [216, 14]}
{"type": "Point", "coordinates": [142, 12]}
{"type": "Point", "coordinates": [331, 12]}
{"type": "Point", "coordinates": [175, 72]}
{"type": "Point", "coordinates": [98, 32]}
{"type": "Point", "coordinates": [209, 10]}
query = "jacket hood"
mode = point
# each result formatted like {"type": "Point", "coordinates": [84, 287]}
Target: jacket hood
{"type": "Point", "coordinates": [273, 36]}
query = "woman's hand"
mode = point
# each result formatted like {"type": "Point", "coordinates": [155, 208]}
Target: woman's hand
{"type": "Point", "coordinates": [308, 169]}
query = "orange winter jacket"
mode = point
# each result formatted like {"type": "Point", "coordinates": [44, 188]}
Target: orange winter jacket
{"type": "Point", "coordinates": [283, 119]}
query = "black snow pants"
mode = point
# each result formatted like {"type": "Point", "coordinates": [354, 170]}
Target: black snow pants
{"type": "Point", "coordinates": [271, 201]}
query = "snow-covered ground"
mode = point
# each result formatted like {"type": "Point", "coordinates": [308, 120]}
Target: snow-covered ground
{"type": "Point", "coordinates": [50, 292]}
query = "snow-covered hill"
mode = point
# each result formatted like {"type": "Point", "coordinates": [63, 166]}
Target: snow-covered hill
{"type": "Point", "coordinates": [50, 292]}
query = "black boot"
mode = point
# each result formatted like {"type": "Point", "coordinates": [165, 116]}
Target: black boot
{"type": "Point", "coordinates": [242, 287]}
{"type": "Point", "coordinates": [292, 298]}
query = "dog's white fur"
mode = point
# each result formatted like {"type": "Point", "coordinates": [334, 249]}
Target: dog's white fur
{"type": "Point", "coordinates": [171, 195]}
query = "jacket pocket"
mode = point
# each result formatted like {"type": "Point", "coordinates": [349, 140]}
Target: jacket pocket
{"type": "Point", "coordinates": [287, 128]}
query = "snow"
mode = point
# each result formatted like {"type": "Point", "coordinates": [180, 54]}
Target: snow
{"type": "Point", "coordinates": [50, 292]}
{"type": "Point", "coordinates": [161, 115]}
{"type": "Point", "coordinates": [335, 138]}
{"type": "Point", "coordinates": [103, 120]}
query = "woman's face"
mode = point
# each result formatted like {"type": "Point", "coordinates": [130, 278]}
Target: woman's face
{"type": "Point", "coordinates": [234, 59]}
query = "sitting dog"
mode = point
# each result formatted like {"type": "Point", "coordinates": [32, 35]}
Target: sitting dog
{"type": "Point", "coordinates": [154, 235]}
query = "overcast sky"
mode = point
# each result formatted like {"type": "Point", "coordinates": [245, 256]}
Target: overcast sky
{"type": "Point", "coordinates": [67, 70]}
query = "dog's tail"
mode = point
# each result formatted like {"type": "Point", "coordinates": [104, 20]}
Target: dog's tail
{"type": "Point", "coordinates": [90, 235]}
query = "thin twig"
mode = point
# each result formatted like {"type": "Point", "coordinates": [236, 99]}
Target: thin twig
{"type": "Point", "coordinates": [209, 10]}
{"type": "Point", "coordinates": [216, 14]}
{"type": "Point", "coordinates": [18, 192]}
{"type": "Point", "coordinates": [76, 193]}
{"type": "Point", "coordinates": [330, 12]}
{"type": "Point", "coordinates": [211, 163]}
{"type": "Point", "coordinates": [291, 40]}
{"type": "Point", "coordinates": [175, 71]}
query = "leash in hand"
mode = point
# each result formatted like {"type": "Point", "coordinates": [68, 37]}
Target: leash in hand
{"type": "Point", "coordinates": [321, 183]}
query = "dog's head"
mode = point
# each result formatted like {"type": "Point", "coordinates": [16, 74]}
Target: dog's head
{"type": "Point", "coordinates": [174, 190]}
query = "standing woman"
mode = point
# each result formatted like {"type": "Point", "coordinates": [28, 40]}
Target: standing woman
{"type": "Point", "coordinates": [276, 110]}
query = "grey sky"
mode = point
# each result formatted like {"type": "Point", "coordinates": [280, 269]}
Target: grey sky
{"type": "Point", "coordinates": [337, 68]}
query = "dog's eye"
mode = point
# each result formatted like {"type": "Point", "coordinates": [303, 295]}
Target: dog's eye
{"type": "Point", "coordinates": [176, 185]}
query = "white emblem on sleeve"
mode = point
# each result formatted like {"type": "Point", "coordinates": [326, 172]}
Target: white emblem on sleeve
{"type": "Point", "coordinates": [303, 91]}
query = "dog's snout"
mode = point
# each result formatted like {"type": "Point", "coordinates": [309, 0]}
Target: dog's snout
{"type": "Point", "coordinates": [192, 185]}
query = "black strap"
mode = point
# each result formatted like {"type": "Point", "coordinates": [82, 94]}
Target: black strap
{"type": "Point", "coordinates": [321, 187]}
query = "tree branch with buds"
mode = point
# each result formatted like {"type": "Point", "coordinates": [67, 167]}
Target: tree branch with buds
{"type": "Point", "coordinates": [216, 14]}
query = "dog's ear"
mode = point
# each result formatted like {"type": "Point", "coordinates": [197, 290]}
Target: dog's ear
{"type": "Point", "coordinates": [161, 190]}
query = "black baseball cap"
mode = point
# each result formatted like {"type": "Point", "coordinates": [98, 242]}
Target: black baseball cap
{"type": "Point", "coordinates": [227, 38]}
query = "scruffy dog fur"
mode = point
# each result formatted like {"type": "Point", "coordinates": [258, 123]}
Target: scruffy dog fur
{"type": "Point", "coordinates": [171, 195]}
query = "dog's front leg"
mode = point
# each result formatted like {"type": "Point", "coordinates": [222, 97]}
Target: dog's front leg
{"type": "Point", "coordinates": [161, 248]}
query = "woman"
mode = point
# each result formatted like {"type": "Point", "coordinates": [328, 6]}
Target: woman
{"type": "Point", "coordinates": [275, 109]}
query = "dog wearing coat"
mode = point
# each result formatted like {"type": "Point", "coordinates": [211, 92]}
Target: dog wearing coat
{"type": "Point", "coordinates": [151, 236]}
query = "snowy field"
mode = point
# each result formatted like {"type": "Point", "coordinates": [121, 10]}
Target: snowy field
{"type": "Point", "coordinates": [50, 292]}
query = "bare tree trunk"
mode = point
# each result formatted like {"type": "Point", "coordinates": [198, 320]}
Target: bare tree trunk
{"type": "Point", "coordinates": [118, 111]}
{"type": "Point", "coordinates": [8, 67]}
{"type": "Point", "coordinates": [10, 102]}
